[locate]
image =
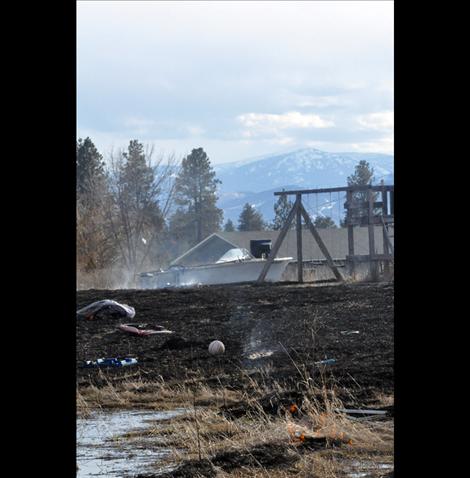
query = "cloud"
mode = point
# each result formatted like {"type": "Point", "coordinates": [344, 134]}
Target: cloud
{"type": "Point", "coordinates": [386, 86]}
{"type": "Point", "coordinates": [148, 128]}
{"type": "Point", "coordinates": [382, 121]}
{"type": "Point", "coordinates": [265, 122]}
{"type": "Point", "coordinates": [319, 101]}
{"type": "Point", "coordinates": [285, 140]}
{"type": "Point", "coordinates": [381, 145]}
{"type": "Point", "coordinates": [240, 78]}
{"type": "Point", "coordinates": [195, 130]}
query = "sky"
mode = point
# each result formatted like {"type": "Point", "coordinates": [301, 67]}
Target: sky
{"type": "Point", "coordinates": [240, 79]}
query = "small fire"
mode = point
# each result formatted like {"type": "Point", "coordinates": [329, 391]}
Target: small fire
{"type": "Point", "coordinates": [295, 433]}
{"type": "Point", "coordinates": [299, 435]}
{"type": "Point", "coordinates": [293, 408]}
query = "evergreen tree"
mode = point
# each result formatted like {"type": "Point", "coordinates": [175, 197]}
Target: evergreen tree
{"type": "Point", "coordinates": [90, 167]}
{"type": "Point", "coordinates": [95, 248]}
{"type": "Point", "coordinates": [281, 210]}
{"type": "Point", "coordinates": [229, 227]}
{"type": "Point", "coordinates": [195, 192]}
{"type": "Point", "coordinates": [363, 176]}
{"type": "Point", "coordinates": [324, 222]}
{"type": "Point", "coordinates": [250, 219]}
{"type": "Point", "coordinates": [181, 231]}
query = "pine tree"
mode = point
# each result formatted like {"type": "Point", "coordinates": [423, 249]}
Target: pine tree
{"type": "Point", "coordinates": [196, 193]}
{"type": "Point", "coordinates": [95, 248]}
{"type": "Point", "coordinates": [229, 227]}
{"type": "Point", "coordinates": [324, 222]}
{"type": "Point", "coordinates": [250, 219]}
{"type": "Point", "coordinates": [363, 176]}
{"type": "Point", "coordinates": [90, 167]}
{"type": "Point", "coordinates": [281, 210]}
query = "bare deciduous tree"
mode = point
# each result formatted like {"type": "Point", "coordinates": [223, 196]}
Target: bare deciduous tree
{"type": "Point", "coordinates": [142, 191]}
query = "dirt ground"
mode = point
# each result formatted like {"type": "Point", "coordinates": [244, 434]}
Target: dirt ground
{"type": "Point", "coordinates": [276, 332]}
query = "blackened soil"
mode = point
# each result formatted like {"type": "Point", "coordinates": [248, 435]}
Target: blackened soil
{"type": "Point", "coordinates": [188, 469]}
{"type": "Point", "coordinates": [283, 329]}
{"type": "Point", "coordinates": [267, 455]}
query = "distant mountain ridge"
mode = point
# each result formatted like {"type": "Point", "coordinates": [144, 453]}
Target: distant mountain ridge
{"type": "Point", "coordinates": [255, 181]}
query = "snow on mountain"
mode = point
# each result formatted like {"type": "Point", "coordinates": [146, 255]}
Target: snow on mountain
{"type": "Point", "coordinates": [254, 181]}
{"type": "Point", "coordinates": [305, 167]}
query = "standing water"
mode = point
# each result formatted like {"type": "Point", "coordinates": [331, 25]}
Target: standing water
{"type": "Point", "coordinates": [103, 451]}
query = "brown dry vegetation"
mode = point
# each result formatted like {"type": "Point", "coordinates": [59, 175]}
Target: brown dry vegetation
{"type": "Point", "coordinates": [256, 444]}
{"type": "Point", "coordinates": [238, 421]}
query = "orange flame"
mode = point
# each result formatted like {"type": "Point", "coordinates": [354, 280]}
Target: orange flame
{"type": "Point", "coordinates": [293, 408]}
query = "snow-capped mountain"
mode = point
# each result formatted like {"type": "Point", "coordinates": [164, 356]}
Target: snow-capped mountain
{"type": "Point", "coordinates": [255, 181]}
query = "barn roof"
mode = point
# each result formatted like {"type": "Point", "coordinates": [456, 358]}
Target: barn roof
{"type": "Point", "coordinates": [206, 252]}
{"type": "Point", "coordinates": [336, 240]}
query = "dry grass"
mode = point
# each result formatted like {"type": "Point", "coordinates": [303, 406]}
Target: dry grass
{"type": "Point", "coordinates": [158, 395]}
{"type": "Point", "coordinates": [383, 400]}
{"type": "Point", "coordinates": [369, 442]}
{"type": "Point", "coordinates": [204, 432]}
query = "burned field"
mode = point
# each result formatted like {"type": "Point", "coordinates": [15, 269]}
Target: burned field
{"type": "Point", "coordinates": [272, 333]}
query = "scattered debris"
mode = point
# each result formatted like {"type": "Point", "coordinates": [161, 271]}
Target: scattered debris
{"type": "Point", "coordinates": [258, 355]}
{"type": "Point", "coordinates": [106, 308]}
{"type": "Point", "coordinates": [362, 413]}
{"type": "Point", "coordinates": [143, 329]}
{"type": "Point", "coordinates": [326, 362]}
{"type": "Point", "coordinates": [110, 362]}
{"type": "Point", "coordinates": [199, 316]}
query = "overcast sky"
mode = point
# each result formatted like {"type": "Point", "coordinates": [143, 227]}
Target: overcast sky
{"type": "Point", "coordinates": [240, 79]}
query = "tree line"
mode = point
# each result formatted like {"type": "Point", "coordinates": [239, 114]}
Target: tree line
{"type": "Point", "coordinates": [138, 209]}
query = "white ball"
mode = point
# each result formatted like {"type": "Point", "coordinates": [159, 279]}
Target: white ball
{"type": "Point", "coordinates": [216, 347]}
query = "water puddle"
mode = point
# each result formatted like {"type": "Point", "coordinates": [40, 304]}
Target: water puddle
{"type": "Point", "coordinates": [368, 469]}
{"type": "Point", "coordinates": [103, 451]}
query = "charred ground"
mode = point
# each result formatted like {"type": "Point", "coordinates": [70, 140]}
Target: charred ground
{"type": "Point", "coordinates": [274, 331]}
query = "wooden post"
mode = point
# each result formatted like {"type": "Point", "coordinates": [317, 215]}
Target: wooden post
{"type": "Point", "coordinates": [349, 200]}
{"type": "Point", "coordinates": [277, 244]}
{"type": "Point", "coordinates": [389, 242]}
{"type": "Point", "coordinates": [320, 243]}
{"type": "Point", "coordinates": [385, 235]}
{"type": "Point", "coordinates": [373, 263]}
{"type": "Point", "coordinates": [300, 262]}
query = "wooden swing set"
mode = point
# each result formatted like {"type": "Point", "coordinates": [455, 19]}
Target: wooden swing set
{"type": "Point", "coordinates": [378, 213]}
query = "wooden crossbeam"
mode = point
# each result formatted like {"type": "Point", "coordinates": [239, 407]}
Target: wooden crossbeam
{"type": "Point", "coordinates": [364, 220]}
{"type": "Point", "coordinates": [367, 257]}
{"type": "Point", "coordinates": [362, 204]}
